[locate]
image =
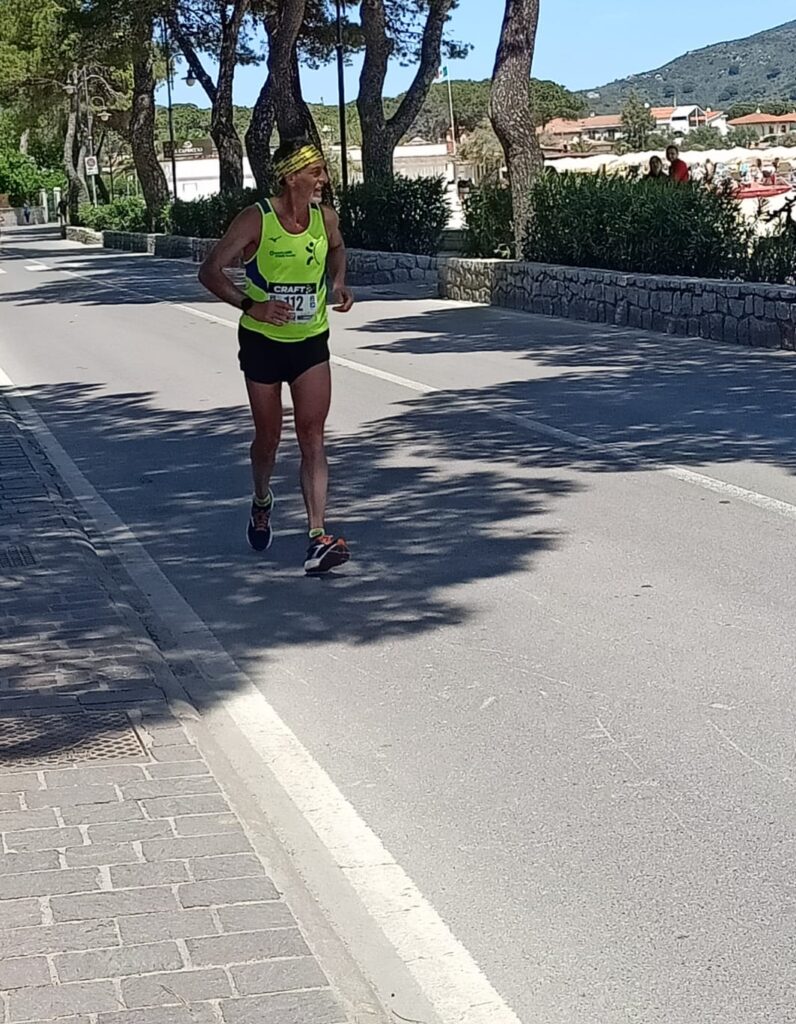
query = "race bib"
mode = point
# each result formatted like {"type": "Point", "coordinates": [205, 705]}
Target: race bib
{"type": "Point", "coordinates": [302, 298]}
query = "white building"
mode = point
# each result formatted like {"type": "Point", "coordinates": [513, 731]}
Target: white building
{"type": "Point", "coordinates": [198, 168]}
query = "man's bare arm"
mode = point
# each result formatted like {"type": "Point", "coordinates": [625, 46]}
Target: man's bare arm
{"type": "Point", "coordinates": [242, 233]}
{"type": "Point", "coordinates": [337, 263]}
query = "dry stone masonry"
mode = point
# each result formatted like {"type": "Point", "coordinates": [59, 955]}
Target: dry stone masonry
{"type": "Point", "coordinates": [759, 315]}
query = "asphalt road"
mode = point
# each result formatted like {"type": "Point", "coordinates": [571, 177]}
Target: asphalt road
{"type": "Point", "coordinates": [557, 678]}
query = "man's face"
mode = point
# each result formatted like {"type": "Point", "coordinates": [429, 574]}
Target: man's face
{"type": "Point", "coordinates": [312, 179]}
{"type": "Point", "coordinates": [672, 153]}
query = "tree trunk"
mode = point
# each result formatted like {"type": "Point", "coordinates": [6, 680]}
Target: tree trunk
{"type": "Point", "coordinates": [377, 144]}
{"type": "Point", "coordinates": [280, 101]}
{"type": "Point", "coordinates": [142, 131]}
{"type": "Point", "coordinates": [24, 142]}
{"type": "Point", "coordinates": [230, 154]}
{"type": "Point", "coordinates": [293, 117]}
{"type": "Point", "coordinates": [222, 124]}
{"type": "Point", "coordinates": [103, 194]}
{"type": "Point", "coordinates": [76, 192]}
{"type": "Point", "coordinates": [510, 108]}
{"type": "Point", "coordinates": [380, 136]}
{"type": "Point", "coordinates": [258, 140]}
{"type": "Point", "coordinates": [81, 171]}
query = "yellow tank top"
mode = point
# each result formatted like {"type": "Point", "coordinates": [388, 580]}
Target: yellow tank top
{"type": "Point", "coordinates": [292, 269]}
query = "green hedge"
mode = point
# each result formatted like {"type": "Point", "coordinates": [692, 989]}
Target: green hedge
{"type": "Point", "coordinates": [635, 225]}
{"type": "Point", "coordinates": [489, 224]}
{"type": "Point", "coordinates": [773, 257]}
{"type": "Point", "coordinates": [127, 213]}
{"type": "Point", "coordinates": [639, 226]}
{"type": "Point", "coordinates": [395, 215]}
{"type": "Point", "coordinates": [210, 217]}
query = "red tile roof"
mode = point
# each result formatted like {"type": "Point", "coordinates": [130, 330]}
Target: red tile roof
{"type": "Point", "coordinates": [764, 119]}
{"type": "Point", "coordinates": [561, 126]}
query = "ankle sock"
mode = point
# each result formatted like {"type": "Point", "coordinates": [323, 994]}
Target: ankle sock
{"type": "Point", "coordinates": [263, 502]}
{"type": "Point", "coordinates": [316, 533]}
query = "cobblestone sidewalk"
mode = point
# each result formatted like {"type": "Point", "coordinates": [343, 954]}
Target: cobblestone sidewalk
{"type": "Point", "coordinates": [129, 891]}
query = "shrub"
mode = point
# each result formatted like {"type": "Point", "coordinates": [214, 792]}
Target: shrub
{"type": "Point", "coordinates": [641, 226]}
{"type": "Point", "coordinates": [21, 178]}
{"type": "Point", "coordinates": [395, 215]}
{"type": "Point", "coordinates": [772, 257]}
{"type": "Point", "coordinates": [127, 213]}
{"type": "Point", "coordinates": [209, 217]}
{"type": "Point", "coordinates": [489, 222]}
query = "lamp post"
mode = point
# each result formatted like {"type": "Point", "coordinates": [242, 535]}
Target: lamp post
{"type": "Point", "coordinates": [170, 106]}
{"type": "Point", "coordinates": [341, 97]}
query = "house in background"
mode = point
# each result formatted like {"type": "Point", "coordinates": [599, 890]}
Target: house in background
{"type": "Point", "coordinates": [607, 128]}
{"type": "Point", "coordinates": [766, 124]}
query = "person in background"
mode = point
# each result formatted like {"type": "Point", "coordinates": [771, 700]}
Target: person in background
{"type": "Point", "coordinates": [26, 211]}
{"type": "Point", "coordinates": [63, 215]}
{"type": "Point", "coordinates": [678, 169]}
{"type": "Point", "coordinates": [710, 172]}
{"type": "Point", "coordinates": [656, 171]}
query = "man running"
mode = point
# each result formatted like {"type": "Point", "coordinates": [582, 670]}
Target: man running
{"type": "Point", "coordinates": [287, 243]}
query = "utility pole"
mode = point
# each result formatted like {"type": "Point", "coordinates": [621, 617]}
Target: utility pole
{"type": "Point", "coordinates": [90, 140]}
{"type": "Point", "coordinates": [341, 98]}
{"type": "Point", "coordinates": [169, 105]}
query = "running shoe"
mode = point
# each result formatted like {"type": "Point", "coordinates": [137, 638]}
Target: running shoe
{"type": "Point", "coordinates": [325, 553]}
{"type": "Point", "coordinates": [259, 532]}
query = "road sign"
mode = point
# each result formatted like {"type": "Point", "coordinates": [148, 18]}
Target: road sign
{"type": "Point", "coordinates": [92, 167]}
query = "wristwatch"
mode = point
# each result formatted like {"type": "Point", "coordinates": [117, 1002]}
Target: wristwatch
{"type": "Point", "coordinates": [247, 304]}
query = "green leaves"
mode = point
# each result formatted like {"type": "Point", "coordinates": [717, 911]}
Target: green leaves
{"type": "Point", "coordinates": [637, 226]}
{"type": "Point", "coordinates": [210, 217]}
{"type": "Point", "coordinates": [638, 124]}
{"type": "Point", "coordinates": [395, 215]}
{"type": "Point", "coordinates": [123, 214]}
{"type": "Point", "coordinates": [490, 225]}
{"type": "Point", "coordinates": [21, 178]}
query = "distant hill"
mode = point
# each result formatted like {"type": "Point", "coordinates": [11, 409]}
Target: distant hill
{"type": "Point", "coordinates": [758, 68]}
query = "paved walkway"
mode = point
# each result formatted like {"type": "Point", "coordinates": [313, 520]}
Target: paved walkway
{"type": "Point", "coordinates": [129, 890]}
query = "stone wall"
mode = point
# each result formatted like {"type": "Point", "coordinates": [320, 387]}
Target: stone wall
{"type": "Point", "coordinates": [129, 241]}
{"type": "Point", "coordinates": [749, 314]}
{"type": "Point", "coordinates": [752, 314]}
{"type": "Point", "coordinates": [14, 216]}
{"type": "Point", "coordinates": [84, 235]}
{"type": "Point", "coordinates": [366, 268]}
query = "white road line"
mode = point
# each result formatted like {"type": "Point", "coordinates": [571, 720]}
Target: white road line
{"type": "Point", "coordinates": [2, 271]}
{"type": "Point", "coordinates": [445, 971]}
{"type": "Point", "coordinates": [205, 316]}
{"type": "Point", "coordinates": [404, 382]}
{"type": "Point", "coordinates": [688, 476]}
{"type": "Point", "coordinates": [709, 483]}
{"type": "Point", "coordinates": [36, 266]}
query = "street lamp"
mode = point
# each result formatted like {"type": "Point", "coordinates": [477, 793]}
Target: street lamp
{"type": "Point", "coordinates": [341, 97]}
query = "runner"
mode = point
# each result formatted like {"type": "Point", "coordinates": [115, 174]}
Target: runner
{"type": "Point", "coordinates": [287, 243]}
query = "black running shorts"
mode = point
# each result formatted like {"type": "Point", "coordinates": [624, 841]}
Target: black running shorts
{"type": "Point", "coordinates": [266, 361]}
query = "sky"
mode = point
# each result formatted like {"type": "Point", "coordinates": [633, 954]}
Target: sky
{"type": "Point", "coordinates": [581, 43]}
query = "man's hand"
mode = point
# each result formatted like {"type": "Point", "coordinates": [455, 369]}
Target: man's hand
{"type": "Point", "coordinates": [344, 298]}
{"type": "Point", "coordinates": [272, 312]}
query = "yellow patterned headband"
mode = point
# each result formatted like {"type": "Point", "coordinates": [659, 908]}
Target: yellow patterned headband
{"type": "Point", "coordinates": [297, 161]}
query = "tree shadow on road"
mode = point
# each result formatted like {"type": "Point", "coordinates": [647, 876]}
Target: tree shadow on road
{"type": "Point", "coordinates": [437, 492]}
{"type": "Point", "coordinates": [653, 398]}
{"type": "Point", "coordinates": [432, 497]}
